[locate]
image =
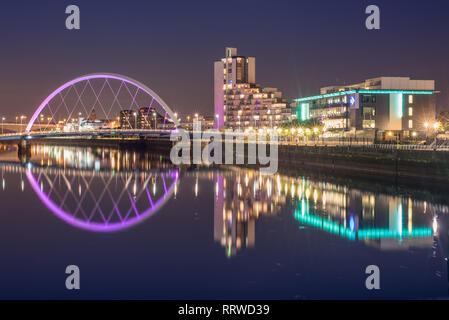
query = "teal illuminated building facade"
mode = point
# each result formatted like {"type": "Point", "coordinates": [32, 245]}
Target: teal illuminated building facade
{"type": "Point", "coordinates": [401, 106]}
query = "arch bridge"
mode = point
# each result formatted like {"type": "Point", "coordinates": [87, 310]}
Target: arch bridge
{"type": "Point", "coordinates": [96, 105]}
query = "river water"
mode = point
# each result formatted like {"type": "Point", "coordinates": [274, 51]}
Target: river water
{"type": "Point", "coordinates": [140, 228]}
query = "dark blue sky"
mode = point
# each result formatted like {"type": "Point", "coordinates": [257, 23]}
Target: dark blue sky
{"type": "Point", "coordinates": [299, 46]}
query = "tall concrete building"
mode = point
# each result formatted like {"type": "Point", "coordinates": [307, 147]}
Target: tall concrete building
{"type": "Point", "coordinates": [239, 101]}
{"type": "Point", "coordinates": [228, 72]}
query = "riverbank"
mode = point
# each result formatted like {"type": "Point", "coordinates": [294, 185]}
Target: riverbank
{"type": "Point", "coordinates": [429, 165]}
{"type": "Point", "coordinates": [391, 163]}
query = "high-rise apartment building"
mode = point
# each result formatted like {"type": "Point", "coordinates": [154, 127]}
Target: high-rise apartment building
{"type": "Point", "coordinates": [240, 103]}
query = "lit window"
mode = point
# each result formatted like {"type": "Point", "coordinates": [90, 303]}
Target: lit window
{"type": "Point", "coordinates": [410, 99]}
{"type": "Point", "coordinates": [410, 111]}
{"type": "Point", "coordinates": [410, 124]}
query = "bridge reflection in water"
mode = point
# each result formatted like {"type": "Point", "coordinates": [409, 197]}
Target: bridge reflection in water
{"type": "Point", "coordinates": [100, 190]}
{"type": "Point", "coordinates": [108, 189]}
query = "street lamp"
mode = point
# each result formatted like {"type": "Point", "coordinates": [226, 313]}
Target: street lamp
{"type": "Point", "coordinates": [218, 117]}
{"type": "Point", "coordinates": [135, 120]}
{"type": "Point", "coordinates": [426, 125]}
{"type": "Point", "coordinates": [21, 118]}
{"type": "Point", "coordinates": [154, 116]}
{"type": "Point", "coordinates": [435, 127]}
{"type": "Point", "coordinates": [3, 119]}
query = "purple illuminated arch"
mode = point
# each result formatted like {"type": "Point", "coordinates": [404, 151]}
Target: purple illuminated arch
{"type": "Point", "coordinates": [97, 226]}
{"type": "Point", "coordinates": [88, 77]}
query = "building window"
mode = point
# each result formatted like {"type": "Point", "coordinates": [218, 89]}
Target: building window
{"type": "Point", "coordinates": [410, 124]}
{"type": "Point", "coordinates": [366, 99]}
{"type": "Point", "coordinates": [410, 98]}
{"type": "Point", "coordinates": [410, 111]}
{"type": "Point", "coordinates": [368, 119]}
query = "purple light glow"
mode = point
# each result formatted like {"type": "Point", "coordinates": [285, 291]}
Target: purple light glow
{"type": "Point", "coordinates": [126, 79]}
{"type": "Point", "coordinates": [96, 226]}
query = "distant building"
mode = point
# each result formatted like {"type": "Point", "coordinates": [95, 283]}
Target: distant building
{"type": "Point", "coordinates": [398, 105]}
{"type": "Point", "coordinates": [128, 119]}
{"type": "Point", "coordinates": [207, 122]}
{"type": "Point", "coordinates": [239, 101]}
{"type": "Point", "coordinates": [145, 118]}
{"type": "Point", "coordinates": [93, 116]}
{"type": "Point", "coordinates": [148, 118]}
{"type": "Point", "coordinates": [91, 125]}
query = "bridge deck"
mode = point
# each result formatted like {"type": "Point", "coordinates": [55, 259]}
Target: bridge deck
{"type": "Point", "coordinates": [96, 133]}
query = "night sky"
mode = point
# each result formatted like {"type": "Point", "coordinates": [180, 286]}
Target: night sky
{"type": "Point", "coordinates": [299, 46]}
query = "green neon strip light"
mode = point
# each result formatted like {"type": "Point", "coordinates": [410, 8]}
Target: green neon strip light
{"type": "Point", "coordinates": [328, 95]}
{"type": "Point", "coordinates": [343, 93]}
{"type": "Point", "coordinates": [400, 113]}
{"type": "Point", "coordinates": [324, 224]}
{"type": "Point", "coordinates": [387, 233]}
{"type": "Point", "coordinates": [338, 229]}
{"type": "Point", "coordinates": [304, 111]}
{"type": "Point", "coordinates": [397, 91]}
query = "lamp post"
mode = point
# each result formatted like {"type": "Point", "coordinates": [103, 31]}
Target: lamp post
{"type": "Point", "coordinates": [426, 125]}
{"type": "Point", "coordinates": [21, 118]}
{"type": "Point", "coordinates": [3, 119]}
{"type": "Point", "coordinates": [135, 120]}
{"type": "Point", "coordinates": [217, 116]}
{"type": "Point", "coordinates": [435, 127]}
{"type": "Point", "coordinates": [154, 116]}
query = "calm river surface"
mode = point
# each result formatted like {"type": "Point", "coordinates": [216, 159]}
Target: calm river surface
{"type": "Point", "coordinates": [140, 228]}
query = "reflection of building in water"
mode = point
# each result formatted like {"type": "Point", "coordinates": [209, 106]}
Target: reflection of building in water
{"type": "Point", "coordinates": [95, 158]}
{"type": "Point", "coordinates": [384, 221]}
{"type": "Point", "coordinates": [242, 196]}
